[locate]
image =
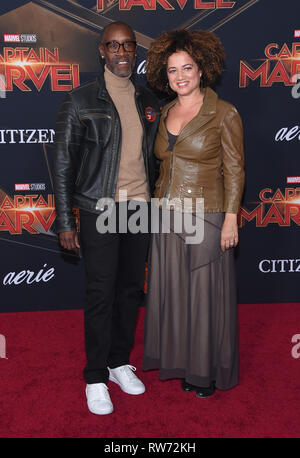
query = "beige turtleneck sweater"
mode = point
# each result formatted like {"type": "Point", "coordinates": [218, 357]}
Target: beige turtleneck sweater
{"type": "Point", "coordinates": [132, 174]}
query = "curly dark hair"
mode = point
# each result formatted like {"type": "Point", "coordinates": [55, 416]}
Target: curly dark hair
{"type": "Point", "coordinates": [204, 47]}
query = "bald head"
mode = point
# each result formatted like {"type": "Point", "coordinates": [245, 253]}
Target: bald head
{"type": "Point", "coordinates": [116, 24]}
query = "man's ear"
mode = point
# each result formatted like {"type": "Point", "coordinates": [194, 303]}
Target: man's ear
{"type": "Point", "coordinates": [101, 50]}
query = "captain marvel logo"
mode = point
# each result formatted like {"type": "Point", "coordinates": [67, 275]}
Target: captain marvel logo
{"type": "Point", "coordinates": [150, 114]}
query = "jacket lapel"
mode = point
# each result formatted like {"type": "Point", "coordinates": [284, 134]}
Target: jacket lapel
{"type": "Point", "coordinates": [163, 129]}
{"type": "Point", "coordinates": [206, 113]}
{"type": "Point", "coordinates": [102, 91]}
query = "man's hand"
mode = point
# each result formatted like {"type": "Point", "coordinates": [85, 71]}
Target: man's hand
{"type": "Point", "coordinates": [69, 240]}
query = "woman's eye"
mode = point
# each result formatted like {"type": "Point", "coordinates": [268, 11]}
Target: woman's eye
{"type": "Point", "coordinates": [188, 68]}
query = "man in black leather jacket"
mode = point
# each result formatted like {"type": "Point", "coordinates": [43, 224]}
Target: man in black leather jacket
{"type": "Point", "coordinates": [103, 145]}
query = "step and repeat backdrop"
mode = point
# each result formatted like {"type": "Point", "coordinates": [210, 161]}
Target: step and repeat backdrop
{"type": "Point", "coordinates": [49, 47]}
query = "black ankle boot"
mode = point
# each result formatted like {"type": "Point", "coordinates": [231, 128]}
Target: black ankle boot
{"type": "Point", "coordinates": [201, 391]}
{"type": "Point", "coordinates": [205, 392]}
{"type": "Point", "coordinates": [187, 386]}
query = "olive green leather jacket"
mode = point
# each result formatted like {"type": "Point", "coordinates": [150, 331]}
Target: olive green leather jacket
{"type": "Point", "coordinates": [207, 159]}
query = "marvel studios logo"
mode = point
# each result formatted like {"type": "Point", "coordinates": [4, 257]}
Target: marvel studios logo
{"type": "Point", "coordinates": [293, 179]}
{"type": "Point", "coordinates": [20, 38]}
{"type": "Point", "coordinates": [30, 187]}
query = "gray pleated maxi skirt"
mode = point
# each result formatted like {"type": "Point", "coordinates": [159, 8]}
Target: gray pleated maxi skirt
{"type": "Point", "coordinates": [191, 308]}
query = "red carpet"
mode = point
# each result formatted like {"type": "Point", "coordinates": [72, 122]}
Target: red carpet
{"type": "Point", "coordinates": [42, 389]}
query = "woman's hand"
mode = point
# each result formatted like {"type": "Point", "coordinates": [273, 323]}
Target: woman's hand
{"type": "Point", "coordinates": [229, 233]}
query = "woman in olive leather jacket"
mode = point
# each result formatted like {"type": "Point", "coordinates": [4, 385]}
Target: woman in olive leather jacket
{"type": "Point", "coordinates": [191, 313]}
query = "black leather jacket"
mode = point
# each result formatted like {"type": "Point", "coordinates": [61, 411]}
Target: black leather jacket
{"type": "Point", "coordinates": [88, 140]}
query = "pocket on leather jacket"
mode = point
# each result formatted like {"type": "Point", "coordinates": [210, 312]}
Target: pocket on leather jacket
{"type": "Point", "coordinates": [191, 198]}
{"type": "Point", "coordinates": [191, 190]}
{"type": "Point", "coordinates": [89, 114]}
{"type": "Point", "coordinates": [83, 161]}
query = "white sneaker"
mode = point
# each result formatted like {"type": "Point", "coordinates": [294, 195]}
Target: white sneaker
{"type": "Point", "coordinates": [127, 381]}
{"type": "Point", "coordinates": [98, 399]}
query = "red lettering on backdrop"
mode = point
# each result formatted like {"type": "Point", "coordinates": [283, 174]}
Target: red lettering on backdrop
{"type": "Point", "coordinates": [249, 216]}
{"type": "Point", "coordinates": [152, 4]}
{"type": "Point", "coordinates": [285, 52]}
{"type": "Point", "coordinates": [224, 4]}
{"type": "Point", "coordinates": [24, 64]}
{"type": "Point", "coordinates": [15, 75]}
{"type": "Point", "coordinates": [268, 50]}
{"type": "Point", "coordinates": [46, 223]}
{"type": "Point", "coordinates": [262, 195]}
{"type": "Point", "coordinates": [7, 204]}
{"type": "Point", "coordinates": [279, 75]}
{"type": "Point", "coordinates": [25, 220]}
{"type": "Point", "coordinates": [56, 76]}
{"type": "Point", "coordinates": [38, 81]}
{"type": "Point", "coordinates": [182, 3]}
{"type": "Point", "coordinates": [246, 73]}
{"type": "Point", "coordinates": [199, 4]}
{"type": "Point", "coordinates": [32, 56]}
{"type": "Point", "coordinates": [273, 216]}
{"type": "Point", "coordinates": [281, 66]}
{"type": "Point", "coordinates": [27, 212]}
{"type": "Point", "coordinates": [213, 4]}
{"type": "Point", "coordinates": [278, 196]}
{"type": "Point", "coordinates": [75, 72]}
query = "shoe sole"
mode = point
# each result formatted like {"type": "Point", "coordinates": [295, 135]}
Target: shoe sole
{"type": "Point", "coordinates": [111, 378]}
{"type": "Point", "coordinates": [189, 390]}
{"type": "Point", "coordinates": [100, 413]}
{"type": "Point", "coordinates": [105, 412]}
{"type": "Point", "coordinates": [205, 396]}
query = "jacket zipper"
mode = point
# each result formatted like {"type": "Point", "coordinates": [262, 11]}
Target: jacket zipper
{"type": "Point", "coordinates": [170, 176]}
{"type": "Point", "coordinates": [97, 115]}
{"type": "Point", "coordinates": [109, 192]}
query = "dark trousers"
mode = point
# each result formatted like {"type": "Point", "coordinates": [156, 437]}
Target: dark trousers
{"type": "Point", "coordinates": [115, 267]}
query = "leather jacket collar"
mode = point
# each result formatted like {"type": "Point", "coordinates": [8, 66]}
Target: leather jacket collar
{"type": "Point", "coordinates": [206, 113]}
